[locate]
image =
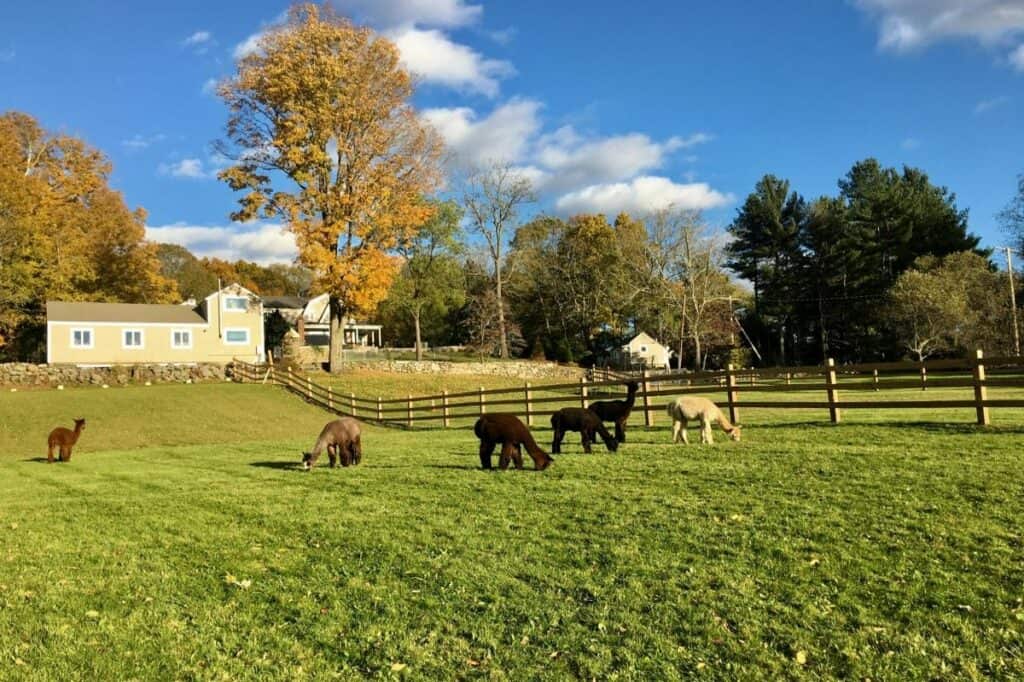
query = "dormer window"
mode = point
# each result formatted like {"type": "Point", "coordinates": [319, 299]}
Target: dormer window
{"type": "Point", "coordinates": [236, 304]}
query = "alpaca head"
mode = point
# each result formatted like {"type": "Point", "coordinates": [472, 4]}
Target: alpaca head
{"type": "Point", "coordinates": [80, 424]}
{"type": "Point", "coordinates": [544, 461]}
{"type": "Point", "coordinates": [632, 387]}
{"type": "Point", "coordinates": [308, 460]}
{"type": "Point", "coordinates": [735, 433]}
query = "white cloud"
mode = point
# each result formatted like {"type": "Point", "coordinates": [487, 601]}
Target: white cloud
{"type": "Point", "coordinates": [210, 86]}
{"type": "Point", "coordinates": [247, 46]}
{"type": "Point", "coordinates": [139, 142]}
{"type": "Point", "coordinates": [197, 38]}
{"type": "Point", "coordinates": [257, 241]}
{"type": "Point", "coordinates": [390, 13]}
{"type": "Point", "coordinates": [192, 169]}
{"type": "Point", "coordinates": [1017, 58]}
{"type": "Point", "coordinates": [640, 196]}
{"type": "Point", "coordinates": [909, 24]}
{"type": "Point", "coordinates": [432, 56]}
{"type": "Point", "coordinates": [910, 143]}
{"type": "Point", "coordinates": [504, 135]}
{"type": "Point", "coordinates": [990, 104]}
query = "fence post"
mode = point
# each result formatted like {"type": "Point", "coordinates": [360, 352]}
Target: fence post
{"type": "Point", "coordinates": [529, 405]}
{"type": "Point", "coordinates": [352, 403]}
{"type": "Point", "coordinates": [980, 393]}
{"type": "Point", "coordinates": [648, 415]}
{"type": "Point", "coordinates": [444, 408]}
{"type": "Point", "coordinates": [380, 411]}
{"type": "Point", "coordinates": [584, 394]}
{"type": "Point", "coordinates": [833, 392]}
{"type": "Point", "coordinates": [789, 378]}
{"type": "Point", "coordinates": [309, 388]}
{"type": "Point", "coordinates": [330, 397]}
{"type": "Point", "coordinates": [273, 375]}
{"type": "Point", "coordinates": [874, 378]}
{"type": "Point", "coordinates": [483, 402]}
{"type": "Point", "coordinates": [924, 377]}
{"type": "Point", "coordinates": [408, 411]}
{"type": "Point", "coordinates": [732, 388]}
{"type": "Point", "coordinates": [291, 378]}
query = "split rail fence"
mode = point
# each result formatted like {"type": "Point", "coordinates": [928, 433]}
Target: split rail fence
{"type": "Point", "coordinates": [757, 387]}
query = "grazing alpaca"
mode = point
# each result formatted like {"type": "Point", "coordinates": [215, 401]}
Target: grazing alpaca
{"type": "Point", "coordinates": [64, 439]}
{"type": "Point", "coordinates": [617, 411]}
{"type": "Point", "coordinates": [584, 421]}
{"type": "Point", "coordinates": [695, 408]}
{"type": "Point", "coordinates": [341, 438]}
{"type": "Point", "coordinates": [508, 430]}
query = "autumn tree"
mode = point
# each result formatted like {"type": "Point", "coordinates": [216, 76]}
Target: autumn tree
{"type": "Point", "coordinates": [431, 277]}
{"type": "Point", "coordinates": [323, 137]}
{"type": "Point", "coordinates": [1012, 216]}
{"type": "Point", "coordinates": [492, 197]}
{"type": "Point", "coordinates": [64, 233]}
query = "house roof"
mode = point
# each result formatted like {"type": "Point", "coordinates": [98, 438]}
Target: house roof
{"type": "Point", "coordinates": [139, 313]}
{"type": "Point", "coordinates": [645, 338]}
{"type": "Point", "coordinates": [284, 302]}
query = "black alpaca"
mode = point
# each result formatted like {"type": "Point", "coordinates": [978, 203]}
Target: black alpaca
{"type": "Point", "coordinates": [585, 422]}
{"type": "Point", "coordinates": [617, 411]}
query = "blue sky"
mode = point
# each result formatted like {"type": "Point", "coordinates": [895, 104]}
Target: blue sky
{"type": "Point", "coordinates": [606, 105]}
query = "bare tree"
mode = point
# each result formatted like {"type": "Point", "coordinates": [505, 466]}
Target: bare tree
{"type": "Point", "coordinates": [492, 197]}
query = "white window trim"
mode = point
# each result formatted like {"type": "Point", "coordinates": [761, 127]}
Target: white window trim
{"type": "Point", "coordinates": [92, 338]}
{"type": "Point", "coordinates": [188, 346]}
{"type": "Point", "coordinates": [142, 338]}
{"type": "Point", "coordinates": [225, 308]}
{"type": "Point", "coordinates": [248, 336]}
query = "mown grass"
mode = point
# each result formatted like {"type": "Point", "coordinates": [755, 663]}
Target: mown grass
{"type": "Point", "coordinates": [182, 543]}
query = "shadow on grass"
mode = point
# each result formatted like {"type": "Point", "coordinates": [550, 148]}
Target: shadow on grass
{"type": "Point", "coordinates": [40, 459]}
{"type": "Point", "coordinates": [295, 466]}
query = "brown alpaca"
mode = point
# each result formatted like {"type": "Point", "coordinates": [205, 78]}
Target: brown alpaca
{"type": "Point", "coordinates": [696, 408]}
{"type": "Point", "coordinates": [508, 430]}
{"type": "Point", "coordinates": [64, 439]}
{"type": "Point", "coordinates": [341, 439]}
{"type": "Point", "coordinates": [617, 411]}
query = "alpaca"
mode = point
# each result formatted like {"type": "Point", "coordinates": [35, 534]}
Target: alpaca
{"type": "Point", "coordinates": [341, 439]}
{"type": "Point", "coordinates": [617, 411]}
{"type": "Point", "coordinates": [584, 421]}
{"type": "Point", "coordinates": [64, 439]}
{"type": "Point", "coordinates": [512, 433]}
{"type": "Point", "coordinates": [695, 408]}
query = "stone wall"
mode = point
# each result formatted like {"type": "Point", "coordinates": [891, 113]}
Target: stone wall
{"type": "Point", "coordinates": [522, 369]}
{"type": "Point", "coordinates": [26, 374]}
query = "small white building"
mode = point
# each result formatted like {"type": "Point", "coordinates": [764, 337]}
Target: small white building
{"type": "Point", "coordinates": [311, 319]}
{"type": "Point", "coordinates": [643, 350]}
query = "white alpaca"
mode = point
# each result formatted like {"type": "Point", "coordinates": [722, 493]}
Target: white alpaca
{"type": "Point", "coordinates": [695, 408]}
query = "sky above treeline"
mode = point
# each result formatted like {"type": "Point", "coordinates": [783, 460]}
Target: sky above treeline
{"type": "Point", "coordinates": [607, 106]}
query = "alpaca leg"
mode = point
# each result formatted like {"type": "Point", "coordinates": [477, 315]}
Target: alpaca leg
{"type": "Point", "coordinates": [357, 451]}
{"type": "Point", "coordinates": [345, 454]}
{"type": "Point", "coordinates": [517, 456]}
{"type": "Point", "coordinates": [49, 455]}
{"type": "Point", "coordinates": [620, 430]}
{"type": "Point", "coordinates": [587, 438]}
{"type": "Point", "coordinates": [332, 455]}
{"type": "Point", "coordinates": [486, 450]}
{"type": "Point", "coordinates": [507, 454]}
{"type": "Point", "coordinates": [65, 453]}
{"type": "Point", "coordinates": [676, 428]}
{"type": "Point", "coordinates": [682, 430]}
{"type": "Point", "coordinates": [556, 442]}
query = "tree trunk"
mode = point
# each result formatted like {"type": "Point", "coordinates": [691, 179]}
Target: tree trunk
{"type": "Point", "coordinates": [697, 363]}
{"type": "Point", "coordinates": [682, 339]}
{"type": "Point", "coordinates": [337, 328]}
{"type": "Point", "coordinates": [419, 339]}
{"type": "Point", "coordinates": [503, 341]}
{"type": "Point", "coordinates": [782, 343]}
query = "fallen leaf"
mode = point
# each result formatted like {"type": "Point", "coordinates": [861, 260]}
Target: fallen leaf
{"type": "Point", "coordinates": [472, 663]}
{"type": "Point", "coordinates": [801, 657]}
{"type": "Point", "coordinates": [92, 614]}
{"type": "Point", "coordinates": [18, 661]}
{"type": "Point", "coordinates": [398, 667]}
{"type": "Point", "coordinates": [554, 654]}
{"type": "Point", "coordinates": [14, 526]}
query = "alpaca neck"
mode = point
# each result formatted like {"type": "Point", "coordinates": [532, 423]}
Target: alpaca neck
{"type": "Point", "coordinates": [726, 425]}
{"type": "Point", "coordinates": [75, 434]}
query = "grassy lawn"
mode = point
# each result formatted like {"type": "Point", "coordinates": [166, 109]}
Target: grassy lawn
{"type": "Point", "coordinates": [183, 543]}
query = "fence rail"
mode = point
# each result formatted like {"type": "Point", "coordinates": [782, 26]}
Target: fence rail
{"type": "Point", "coordinates": [831, 381]}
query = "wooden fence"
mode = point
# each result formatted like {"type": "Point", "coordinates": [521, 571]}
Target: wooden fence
{"type": "Point", "coordinates": [829, 382]}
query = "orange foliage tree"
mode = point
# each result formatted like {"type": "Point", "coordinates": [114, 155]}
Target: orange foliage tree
{"type": "Point", "coordinates": [322, 136]}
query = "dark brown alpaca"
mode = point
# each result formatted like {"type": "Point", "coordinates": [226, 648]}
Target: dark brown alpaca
{"type": "Point", "coordinates": [617, 411]}
{"type": "Point", "coordinates": [585, 422]}
{"type": "Point", "coordinates": [64, 439]}
{"type": "Point", "coordinates": [341, 439]}
{"type": "Point", "coordinates": [508, 430]}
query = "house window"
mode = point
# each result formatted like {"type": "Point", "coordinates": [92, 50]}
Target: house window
{"type": "Point", "coordinates": [81, 338]}
{"type": "Point", "coordinates": [131, 338]}
{"type": "Point", "coordinates": [181, 338]}
{"type": "Point", "coordinates": [237, 304]}
{"type": "Point", "coordinates": [643, 349]}
{"type": "Point", "coordinates": [236, 337]}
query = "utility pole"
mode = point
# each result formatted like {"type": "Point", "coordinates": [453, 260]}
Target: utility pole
{"type": "Point", "coordinates": [1013, 300]}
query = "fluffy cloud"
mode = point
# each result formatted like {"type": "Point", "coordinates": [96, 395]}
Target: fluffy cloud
{"type": "Point", "coordinates": [192, 169]}
{"type": "Point", "coordinates": [197, 38]}
{"type": "Point", "coordinates": [432, 56]}
{"type": "Point", "coordinates": [139, 142]}
{"type": "Point", "coordinates": [504, 135]}
{"type": "Point", "coordinates": [1017, 58]}
{"type": "Point", "coordinates": [908, 24]}
{"type": "Point", "coordinates": [444, 13]}
{"type": "Point", "coordinates": [261, 242]}
{"type": "Point", "coordinates": [247, 46]}
{"type": "Point", "coordinates": [640, 196]}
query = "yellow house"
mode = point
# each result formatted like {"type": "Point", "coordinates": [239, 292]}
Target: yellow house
{"type": "Point", "coordinates": [227, 324]}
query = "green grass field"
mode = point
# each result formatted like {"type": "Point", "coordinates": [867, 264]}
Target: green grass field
{"type": "Point", "coordinates": [182, 542]}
